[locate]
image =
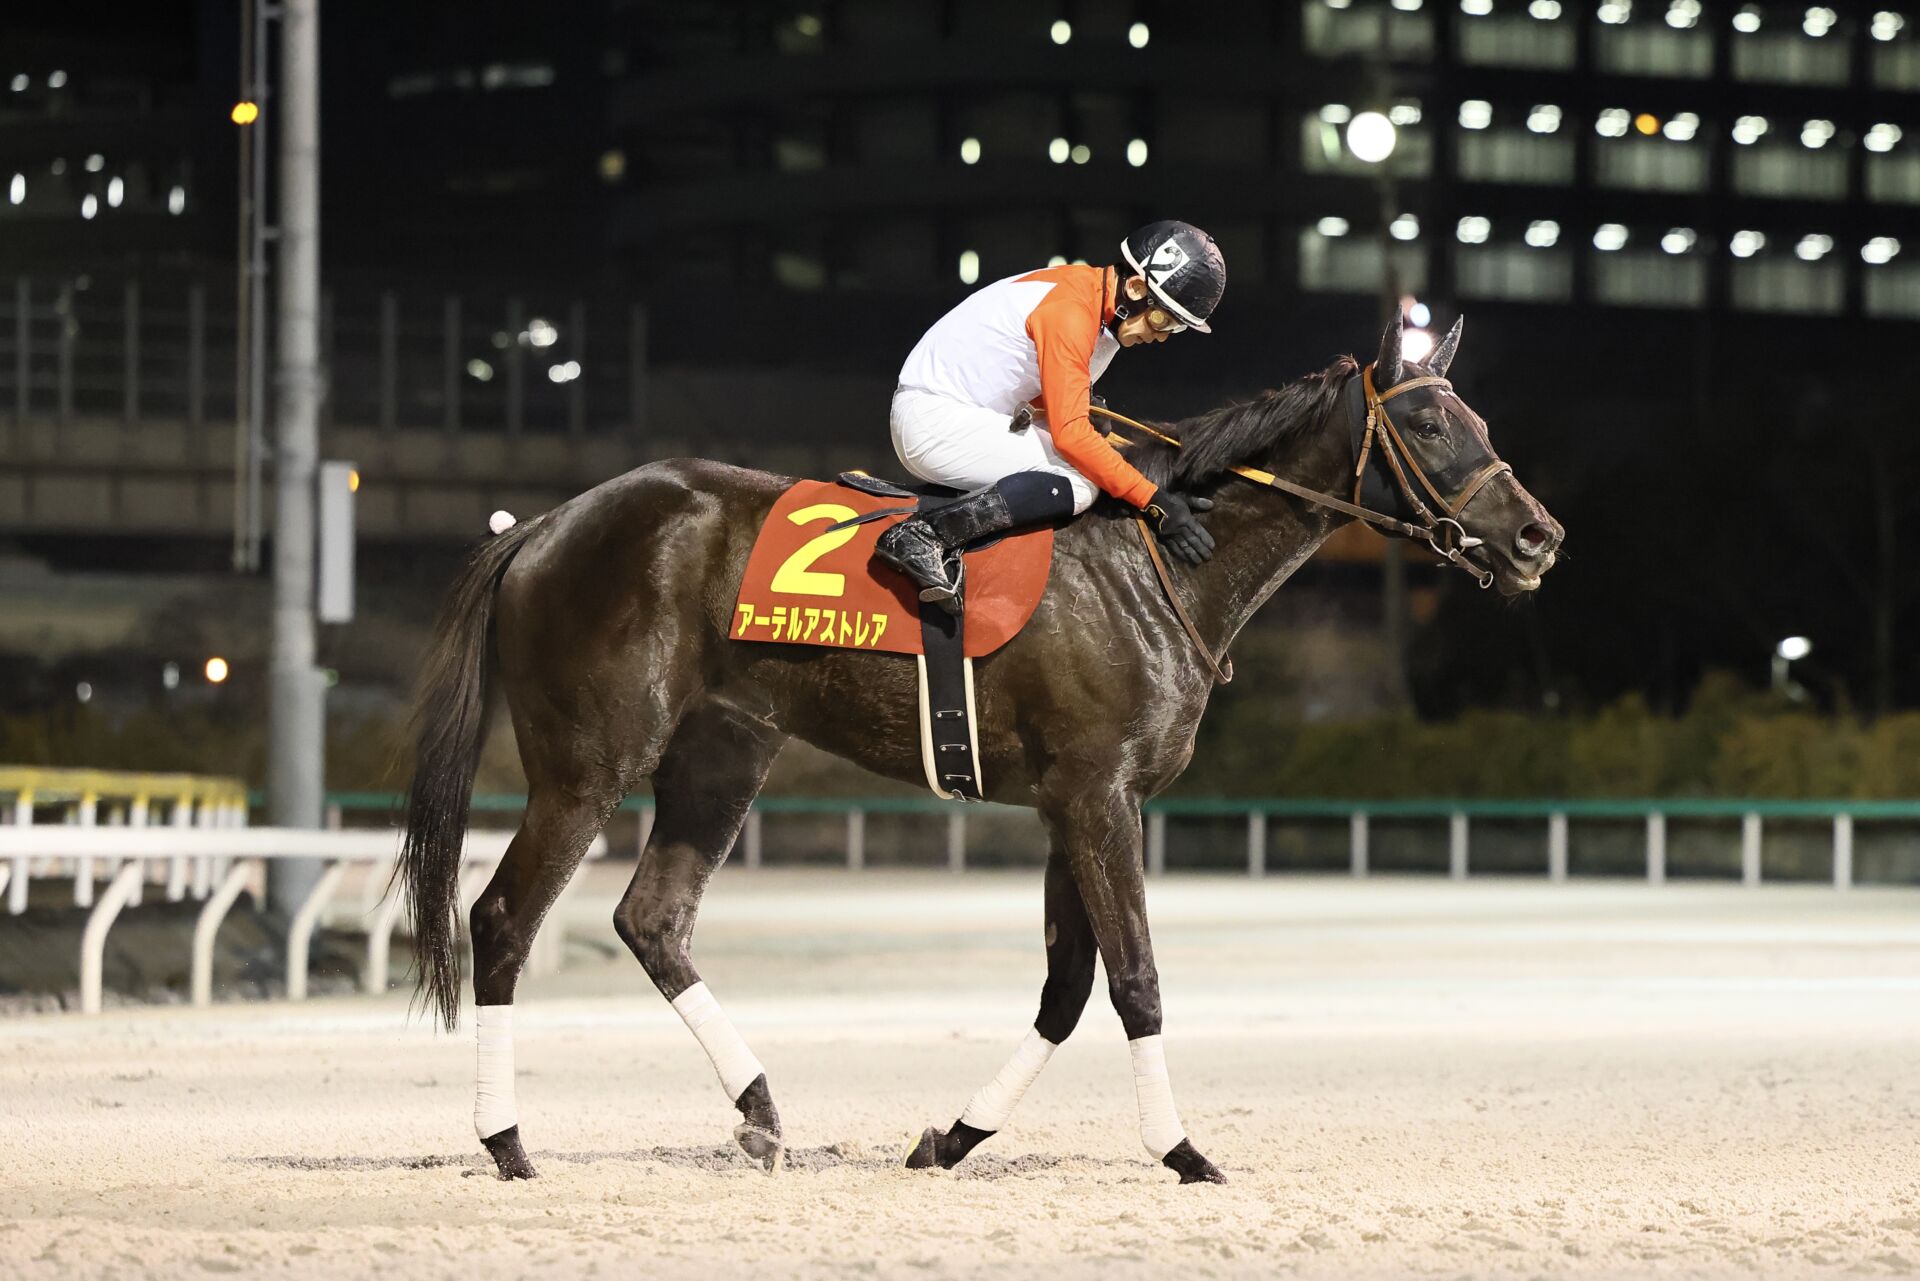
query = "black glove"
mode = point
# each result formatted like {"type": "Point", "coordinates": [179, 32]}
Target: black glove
{"type": "Point", "coordinates": [1172, 516]}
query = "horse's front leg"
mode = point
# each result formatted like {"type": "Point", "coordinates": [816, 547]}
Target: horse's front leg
{"type": "Point", "coordinates": [1100, 833]}
{"type": "Point", "coordinates": [1070, 953]}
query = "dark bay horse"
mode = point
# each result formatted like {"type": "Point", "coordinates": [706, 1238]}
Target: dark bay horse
{"type": "Point", "coordinates": [605, 622]}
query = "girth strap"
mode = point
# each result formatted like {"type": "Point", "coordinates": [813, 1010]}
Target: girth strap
{"type": "Point", "coordinates": [1222, 669]}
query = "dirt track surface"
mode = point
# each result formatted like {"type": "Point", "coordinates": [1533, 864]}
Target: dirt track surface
{"type": "Point", "coordinates": [1402, 1078]}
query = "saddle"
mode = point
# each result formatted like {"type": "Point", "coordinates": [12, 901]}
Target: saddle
{"type": "Point", "coordinates": [811, 580]}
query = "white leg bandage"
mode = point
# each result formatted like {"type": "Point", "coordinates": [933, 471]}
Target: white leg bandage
{"type": "Point", "coordinates": [1160, 1127]}
{"type": "Point", "coordinates": [715, 1031]}
{"type": "Point", "coordinates": [990, 1109]}
{"type": "Point", "coordinates": [493, 1109]}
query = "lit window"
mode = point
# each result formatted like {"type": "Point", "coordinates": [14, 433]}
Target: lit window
{"type": "Point", "coordinates": [1678, 240]}
{"type": "Point", "coordinates": [1137, 35]}
{"type": "Point", "coordinates": [1062, 31]}
{"type": "Point", "coordinates": [1058, 150]}
{"type": "Point", "coordinates": [1616, 11]}
{"type": "Point", "coordinates": [17, 189]}
{"type": "Point", "coordinates": [1081, 154]}
{"type": "Point", "coordinates": [808, 25]}
{"type": "Point", "coordinates": [1331, 226]}
{"type": "Point", "coordinates": [1137, 152]}
{"type": "Point", "coordinates": [58, 79]}
{"type": "Point", "coordinates": [1473, 230]}
{"type": "Point", "coordinates": [1682, 127]}
{"type": "Point", "coordinates": [1476, 113]}
{"type": "Point", "coordinates": [1058, 260]}
{"type": "Point", "coordinates": [1339, 4]}
{"type": "Point", "coordinates": [89, 206]}
{"type": "Point", "coordinates": [1336, 113]}
{"type": "Point", "coordinates": [96, 162]}
{"type": "Point", "coordinates": [1407, 6]}
{"type": "Point", "coordinates": [1545, 10]}
{"type": "Point", "coordinates": [969, 151]}
{"type": "Point", "coordinates": [1476, 8]}
{"type": "Point", "coordinates": [1544, 118]}
{"type": "Point", "coordinates": [1812, 248]}
{"type": "Point", "coordinates": [1879, 251]}
{"type": "Point", "coordinates": [1613, 123]}
{"type": "Point", "coordinates": [1403, 114]}
{"type": "Point", "coordinates": [1405, 227]}
{"type": "Point", "coordinates": [1543, 233]}
{"type": "Point", "coordinates": [1819, 21]}
{"type": "Point", "coordinates": [1882, 137]}
{"type": "Point", "coordinates": [20, 83]}
{"type": "Point", "coordinates": [1748, 130]}
{"type": "Point", "coordinates": [1747, 21]}
{"type": "Point", "coordinates": [1610, 236]}
{"type": "Point", "coordinates": [1745, 244]}
{"type": "Point", "coordinates": [613, 165]}
{"type": "Point", "coordinates": [1886, 25]}
{"type": "Point", "coordinates": [177, 200]}
{"type": "Point", "coordinates": [1816, 134]}
{"type": "Point", "coordinates": [1647, 123]}
{"type": "Point", "coordinates": [480, 371]}
{"type": "Point", "coordinates": [116, 192]}
{"type": "Point", "coordinates": [1683, 14]}
{"type": "Point", "coordinates": [969, 267]}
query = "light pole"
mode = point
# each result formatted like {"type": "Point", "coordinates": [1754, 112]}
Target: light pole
{"type": "Point", "coordinates": [1789, 651]}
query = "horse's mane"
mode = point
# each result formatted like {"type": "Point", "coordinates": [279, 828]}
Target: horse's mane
{"type": "Point", "coordinates": [1241, 433]}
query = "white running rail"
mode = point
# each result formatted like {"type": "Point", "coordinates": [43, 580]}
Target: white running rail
{"type": "Point", "coordinates": [242, 853]}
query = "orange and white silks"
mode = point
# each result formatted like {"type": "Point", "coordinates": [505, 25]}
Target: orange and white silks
{"type": "Point", "coordinates": [1040, 339]}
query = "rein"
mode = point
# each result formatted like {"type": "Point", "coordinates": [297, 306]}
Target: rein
{"type": "Point", "coordinates": [1444, 533]}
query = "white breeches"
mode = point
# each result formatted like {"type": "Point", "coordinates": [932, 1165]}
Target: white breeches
{"type": "Point", "coordinates": [966, 446]}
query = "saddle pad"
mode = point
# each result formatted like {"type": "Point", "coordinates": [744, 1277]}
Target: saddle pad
{"type": "Point", "coordinates": [809, 584]}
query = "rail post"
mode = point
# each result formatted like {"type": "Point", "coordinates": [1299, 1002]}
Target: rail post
{"type": "Point", "coordinates": [1843, 851]}
{"type": "Point", "coordinates": [1256, 843]}
{"type": "Point", "coordinates": [1156, 844]}
{"type": "Point", "coordinates": [1457, 846]}
{"type": "Point", "coordinates": [1556, 847]}
{"type": "Point", "coordinates": [751, 839]}
{"type": "Point", "coordinates": [1357, 843]}
{"type": "Point", "coordinates": [207, 925]}
{"type": "Point", "coordinates": [1750, 850]}
{"type": "Point", "coordinates": [856, 839]}
{"type": "Point", "coordinates": [22, 870]}
{"type": "Point", "coordinates": [957, 840]}
{"type": "Point", "coordinates": [380, 939]}
{"type": "Point", "coordinates": [93, 939]}
{"type": "Point", "coordinates": [87, 815]}
{"type": "Point", "coordinates": [1656, 848]}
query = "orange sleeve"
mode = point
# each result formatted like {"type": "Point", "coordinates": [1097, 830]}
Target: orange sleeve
{"type": "Point", "coordinates": [1063, 328]}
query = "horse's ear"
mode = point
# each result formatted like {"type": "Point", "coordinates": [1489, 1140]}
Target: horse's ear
{"type": "Point", "coordinates": [1386, 366]}
{"type": "Point", "coordinates": [1443, 354]}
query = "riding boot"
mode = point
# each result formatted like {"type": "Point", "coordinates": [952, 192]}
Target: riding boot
{"type": "Point", "coordinates": [926, 547]}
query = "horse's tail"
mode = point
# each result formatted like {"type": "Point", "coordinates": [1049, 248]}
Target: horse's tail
{"type": "Point", "coordinates": [448, 729]}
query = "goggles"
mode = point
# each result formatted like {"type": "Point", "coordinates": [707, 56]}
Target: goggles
{"type": "Point", "coordinates": [1160, 320]}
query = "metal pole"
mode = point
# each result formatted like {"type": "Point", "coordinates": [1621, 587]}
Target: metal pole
{"type": "Point", "coordinates": [1750, 850]}
{"type": "Point", "coordinates": [1156, 844]}
{"type": "Point", "coordinates": [957, 841]}
{"type": "Point", "coordinates": [1357, 843]}
{"type": "Point", "coordinates": [1843, 851]}
{"type": "Point", "coordinates": [297, 716]}
{"type": "Point", "coordinates": [1556, 847]}
{"type": "Point", "coordinates": [1656, 849]}
{"type": "Point", "coordinates": [1256, 843]}
{"type": "Point", "coordinates": [856, 840]}
{"type": "Point", "coordinates": [1457, 847]}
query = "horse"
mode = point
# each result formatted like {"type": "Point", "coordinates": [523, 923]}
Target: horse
{"type": "Point", "coordinates": [605, 624]}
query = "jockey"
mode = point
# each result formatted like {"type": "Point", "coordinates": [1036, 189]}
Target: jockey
{"type": "Point", "coordinates": [961, 412]}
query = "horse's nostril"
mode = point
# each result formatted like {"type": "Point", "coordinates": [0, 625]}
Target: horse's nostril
{"type": "Point", "coordinates": [1531, 540]}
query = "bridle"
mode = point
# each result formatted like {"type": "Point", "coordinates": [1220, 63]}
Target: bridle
{"type": "Point", "coordinates": [1443, 532]}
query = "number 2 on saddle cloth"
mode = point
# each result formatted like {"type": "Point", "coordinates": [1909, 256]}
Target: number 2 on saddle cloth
{"type": "Point", "coordinates": [810, 583]}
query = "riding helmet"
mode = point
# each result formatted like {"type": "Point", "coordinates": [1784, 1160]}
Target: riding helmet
{"type": "Point", "coordinates": [1182, 267]}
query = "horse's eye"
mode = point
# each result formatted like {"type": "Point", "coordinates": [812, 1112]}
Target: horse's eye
{"type": "Point", "coordinates": [1427, 429]}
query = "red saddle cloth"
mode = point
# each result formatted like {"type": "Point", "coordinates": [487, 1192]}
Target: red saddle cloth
{"type": "Point", "coordinates": [809, 584]}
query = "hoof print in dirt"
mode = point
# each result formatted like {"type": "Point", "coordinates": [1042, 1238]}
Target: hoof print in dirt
{"type": "Point", "coordinates": [1187, 1162]}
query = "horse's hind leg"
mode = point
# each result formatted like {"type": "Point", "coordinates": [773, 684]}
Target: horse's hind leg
{"type": "Point", "coordinates": [1070, 953]}
{"type": "Point", "coordinates": [554, 835]}
{"type": "Point", "coordinates": [712, 769]}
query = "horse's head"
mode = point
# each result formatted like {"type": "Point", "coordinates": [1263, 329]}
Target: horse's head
{"type": "Point", "coordinates": [1431, 463]}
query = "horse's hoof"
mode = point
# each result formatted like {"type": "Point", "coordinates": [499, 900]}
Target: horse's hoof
{"type": "Point", "coordinates": [1186, 1162]}
{"type": "Point", "coordinates": [508, 1156]}
{"type": "Point", "coordinates": [925, 1153]}
{"type": "Point", "coordinates": [763, 1145]}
